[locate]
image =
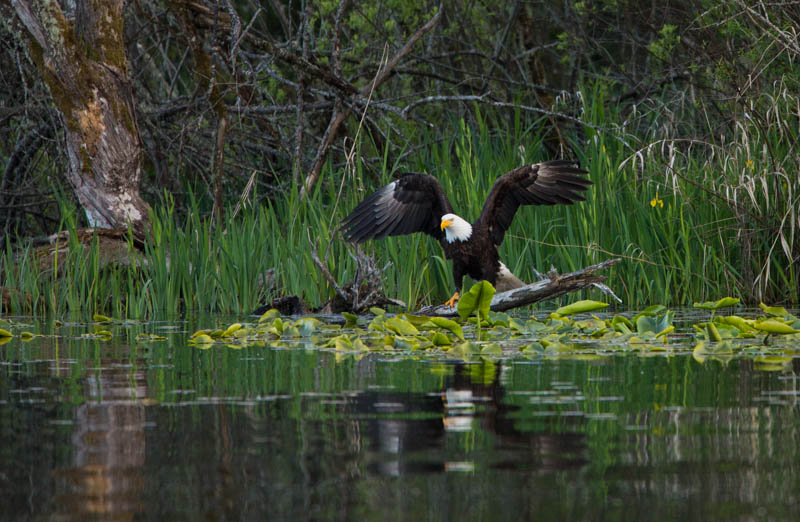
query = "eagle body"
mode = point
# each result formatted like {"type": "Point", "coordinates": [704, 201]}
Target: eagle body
{"type": "Point", "coordinates": [417, 203]}
{"type": "Point", "coordinates": [475, 256]}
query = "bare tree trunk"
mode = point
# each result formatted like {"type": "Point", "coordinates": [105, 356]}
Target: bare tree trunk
{"type": "Point", "coordinates": [81, 57]}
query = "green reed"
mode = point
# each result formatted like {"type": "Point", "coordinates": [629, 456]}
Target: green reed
{"type": "Point", "coordinates": [666, 206]}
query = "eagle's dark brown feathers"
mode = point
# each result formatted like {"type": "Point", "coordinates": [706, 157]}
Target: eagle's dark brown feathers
{"type": "Point", "coordinates": [416, 203]}
{"type": "Point", "coordinates": [551, 183]}
{"type": "Point", "coordinates": [411, 203]}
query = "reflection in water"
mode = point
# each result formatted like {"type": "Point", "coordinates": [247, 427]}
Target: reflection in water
{"type": "Point", "coordinates": [409, 433]}
{"type": "Point", "coordinates": [740, 457]}
{"type": "Point", "coordinates": [184, 434]}
{"type": "Point", "coordinates": [108, 441]}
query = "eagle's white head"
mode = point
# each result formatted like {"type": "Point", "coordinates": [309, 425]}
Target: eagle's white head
{"type": "Point", "coordinates": [455, 228]}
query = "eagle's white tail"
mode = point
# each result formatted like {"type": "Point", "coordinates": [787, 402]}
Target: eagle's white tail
{"type": "Point", "coordinates": [506, 280]}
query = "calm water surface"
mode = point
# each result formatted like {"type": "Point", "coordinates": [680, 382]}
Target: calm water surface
{"type": "Point", "coordinates": [120, 430]}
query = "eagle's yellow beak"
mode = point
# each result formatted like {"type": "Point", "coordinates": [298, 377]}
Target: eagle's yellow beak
{"type": "Point", "coordinates": [446, 223]}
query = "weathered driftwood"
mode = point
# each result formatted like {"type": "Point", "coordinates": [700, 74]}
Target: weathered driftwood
{"type": "Point", "coordinates": [358, 295]}
{"type": "Point", "coordinates": [553, 286]}
{"type": "Point", "coordinates": [49, 253]}
{"type": "Point", "coordinates": [113, 247]}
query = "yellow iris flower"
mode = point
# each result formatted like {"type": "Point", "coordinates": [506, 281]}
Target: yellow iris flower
{"type": "Point", "coordinates": [657, 201]}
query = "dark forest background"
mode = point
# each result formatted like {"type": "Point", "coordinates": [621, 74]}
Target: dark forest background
{"type": "Point", "coordinates": [262, 101]}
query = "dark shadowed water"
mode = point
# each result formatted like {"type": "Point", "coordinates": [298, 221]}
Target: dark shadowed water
{"type": "Point", "coordinates": [126, 429]}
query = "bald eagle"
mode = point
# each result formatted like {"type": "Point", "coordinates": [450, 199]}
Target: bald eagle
{"type": "Point", "coordinates": [417, 203]}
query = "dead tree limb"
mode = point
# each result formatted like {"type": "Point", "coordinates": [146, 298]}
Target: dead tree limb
{"type": "Point", "coordinates": [553, 286]}
{"type": "Point", "coordinates": [363, 292]}
{"type": "Point", "coordinates": [339, 116]}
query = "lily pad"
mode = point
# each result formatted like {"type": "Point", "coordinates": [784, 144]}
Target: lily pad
{"type": "Point", "coordinates": [654, 323]}
{"type": "Point", "coordinates": [440, 339]}
{"type": "Point", "coordinates": [492, 349]}
{"type": "Point", "coordinates": [587, 305]}
{"type": "Point", "coordinates": [774, 311]}
{"type": "Point", "coordinates": [307, 325]}
{"type": "Point", "coordinates": [774, 326]}
{"type": "Point", "coordinates": [350, 319]}
{"type": "Point", "coordinates": [477, 300]}
{"type": "Point", "coordinates": [714, 305]}
{"type": "Point", "coordinates": [499, 319]}
{"type": "Point", "coordinates": [101, 318]}
{"type": "Point", "coordinates": [741, 324]}
{"type": "Point", "coordinates": [400, 326]}
{"type": "Point", "coordinates": [359, 345]}
{"type": "Point", "coordinates": [468, 347]}
{"type": "Point", "coordinates": [269, 315]}
{"type": "Point", "coordinates": [229, 331]}
{"type": "Point", "coordinates": [652, 310]}
{"type": "Point", "coordinates": [532, 349]}
{"type": "Point", "coordinates": [202, 338]}
{"type": "Point", "coordinates": [449, 324]}
{"type": "Point", "coordinates": [341, 343]}
{"type": "Point", "coordinates": [406, 343]}
{"type": "Point", "coordinates": [622, 324]}
{"type": "Point", "coordinates": [416, 320]}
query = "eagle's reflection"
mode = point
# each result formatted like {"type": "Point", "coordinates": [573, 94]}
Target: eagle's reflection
{"type": "Point", "coordinates": [466, 427]}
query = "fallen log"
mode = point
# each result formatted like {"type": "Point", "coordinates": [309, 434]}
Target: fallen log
{"type": "Point", "coordinates": [114, 247]}
{"type": "Point", "coordinates": [552, 286]}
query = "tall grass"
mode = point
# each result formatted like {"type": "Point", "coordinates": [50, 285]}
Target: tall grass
{"type": "Point", "coordinates": [693, 220]}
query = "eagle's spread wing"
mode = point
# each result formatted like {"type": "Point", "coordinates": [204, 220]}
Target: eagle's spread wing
{"type": "Point", "coordinates": [548, 183]}
{"type": "Point", "coordinates": [411, 203]}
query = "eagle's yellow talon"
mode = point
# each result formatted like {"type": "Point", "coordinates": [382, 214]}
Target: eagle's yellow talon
{"type": "Point", "coordinates": [452, 301]}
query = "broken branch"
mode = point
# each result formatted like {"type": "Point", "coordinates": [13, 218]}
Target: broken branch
{"type": "Point", "coordinates": [553, 286]}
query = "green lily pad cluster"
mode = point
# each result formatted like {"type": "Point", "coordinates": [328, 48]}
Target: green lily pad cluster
{"type": "Point", "coordinates": [573, 330]}
{"type": "Point", "coordinates": [771, 339]}
{"type": "Point", "coordinates": [6, 327]}
{"type": "Point", "coordinates": [478, 331]}
{"type": "Point", "coordinates": [99, 329]}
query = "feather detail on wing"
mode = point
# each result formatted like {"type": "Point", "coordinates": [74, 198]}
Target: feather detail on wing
{"type": "Point", "coordinates": [411, 203]}
{"type": "Point", "coordinates": [557, 182]}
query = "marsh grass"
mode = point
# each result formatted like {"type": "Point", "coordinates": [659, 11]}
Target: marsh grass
{"type": "Point", "coordinates": [693, 219]}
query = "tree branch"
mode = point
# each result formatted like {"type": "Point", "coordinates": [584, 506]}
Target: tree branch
{"type": "Point", "coordinates": [339, 116]}
{"type": "Point", "coordinates": [555, 285]}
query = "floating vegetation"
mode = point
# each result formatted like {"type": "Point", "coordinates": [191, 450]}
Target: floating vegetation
{"type": "Point", "coordinates": [713, 331]}
{"type": "Point", "coordinates": [771, 339]}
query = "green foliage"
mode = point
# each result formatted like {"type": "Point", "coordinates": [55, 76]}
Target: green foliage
{"type": "Point", "coordinates": [657, 324]}
{"type": "Point", "coordinates": [668, 39]}
{"type": "Point", "coordinates": [476, 301]}
{"type": "Point", "coordinates": [714, 305]}
{"type": "Point", "coordinates": [556, 336]}
{"type": "Point", "coordinates": [579, 307]}
{"type": "Point", "coordinates": [687, 249]}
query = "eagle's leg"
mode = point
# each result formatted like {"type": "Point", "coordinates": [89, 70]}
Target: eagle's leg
{"type": "Point", "coordinates": [458, 277]}
{"type": "Point", "coordinates": [452, 301]}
